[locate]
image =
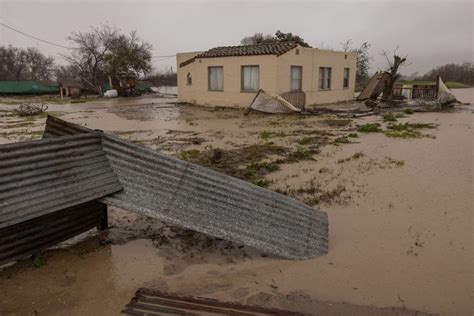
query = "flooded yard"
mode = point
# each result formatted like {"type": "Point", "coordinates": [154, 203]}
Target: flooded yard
{"type": "Point", "coordinates": [399, 201]}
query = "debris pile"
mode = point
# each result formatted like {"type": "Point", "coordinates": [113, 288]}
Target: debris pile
{"type": "Point", "coordinates": [29, 110]}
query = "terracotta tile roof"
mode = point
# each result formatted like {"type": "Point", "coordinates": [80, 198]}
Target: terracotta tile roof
{"type": "Point", "coordinates": [244, 50]}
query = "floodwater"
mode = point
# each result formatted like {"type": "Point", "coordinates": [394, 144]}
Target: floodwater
{"type": "Point", "coordinates": [400, 233]}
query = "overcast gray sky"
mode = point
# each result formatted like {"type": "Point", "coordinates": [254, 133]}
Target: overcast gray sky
{"type": "Point", "coordinates": [431, 33]}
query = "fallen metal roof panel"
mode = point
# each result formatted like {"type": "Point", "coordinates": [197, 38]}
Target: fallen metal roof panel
{"type": "Point", "coordinates": [32, 236]}
{"type": "Point", "coordinates": [153, 302]}
{"type": "Point", "coordinates": [201, 199]}
{"type": "Point", "coordinates": [43, 176]}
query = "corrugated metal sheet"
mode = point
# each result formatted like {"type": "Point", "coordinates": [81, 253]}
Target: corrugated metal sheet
{"type": "Point", "coordinates": [147, 302]}
{"type": "Point", "coordinates": [203, 200]}
{"type": "Point", "coordinates": [30, 237]}
{"type": "Point", "coordinates": [43, 176]}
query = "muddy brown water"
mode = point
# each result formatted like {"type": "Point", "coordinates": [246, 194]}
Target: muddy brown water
{"type": "Point", "coordinates": [400, 233]}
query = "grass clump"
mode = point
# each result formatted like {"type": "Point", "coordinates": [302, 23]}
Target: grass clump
{"type": "Point", "coordinates": [342, 140]}
{"type": "Point", "coordinates": [265, 135]}
{"type": "Point", "coordinates": [398, 163]}
{"type": "Point", "coordinates": [404, 134]}
{"type": "Point", "coordinates": [389, 117]}
{"type": "Point", "coordinates": [39, 261]}
{"type": "Point", "coordinates": [300, 153]}
{"type": "Point", "coordinates": [189, 155]}
{"type": "Point", "coordinates": [255, 168]}
{"type": "Point", "coordinates": [410, 126]}
{"type": "Point", "coordinates": [408, 130]}
{"type": "Point", "coordinates": [369, 128]}
{"type": "Point", "coordinates": [353, 135]}
{"type": "Point", "coordinates": [305, 140]}
{"type": "Point", "coordinates": [355, 156]}
{"type": "Point", "coordinates": [408, 111]}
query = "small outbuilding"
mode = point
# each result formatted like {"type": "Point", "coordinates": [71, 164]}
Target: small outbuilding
{"type": "Point", "coordinates": [233, 75]}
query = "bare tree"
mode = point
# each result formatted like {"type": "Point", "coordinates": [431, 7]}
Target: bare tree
{"type": "Point", "coordinates": [392, 69]}
{"type": "Point", "coordinates": [90, 53]}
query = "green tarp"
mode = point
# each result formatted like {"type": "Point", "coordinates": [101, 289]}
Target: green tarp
{"type": "Point", "coordinates": [27, 87]}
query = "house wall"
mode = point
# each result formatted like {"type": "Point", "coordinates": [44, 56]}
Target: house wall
{"type": "Point", "coordinates": [198, 93]}
{"type": "Point", "coordinates": [274, 77]}
{"type": "Point", "coordinates": [311, 59]}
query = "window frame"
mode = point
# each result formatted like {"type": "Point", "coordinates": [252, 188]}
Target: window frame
{"type": "Point", "coordinates": [344, 86]}
{"type": "Point", "coordinates": [329, 79]}
{"type": "Point", "coordinates": [300, 79]}
{"type": "Point", "coordinates": [189, 79]}
{"type": "Point", "coordinates": [242, 78]}
{"type": "Point", "coordinates": [209, 79]}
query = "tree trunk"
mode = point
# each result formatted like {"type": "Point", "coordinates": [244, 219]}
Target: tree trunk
{"type": "Point", "coordinates": [388, 89]}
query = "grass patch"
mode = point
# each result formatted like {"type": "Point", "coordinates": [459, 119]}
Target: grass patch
{"type": "Point", "coordinates": [410, 126]}
{"type": "Point", "coordinates": [342, 140]}
{"type": "Point", "coordinates": [389, 117]}
{"type": "Point", "coordinates": [404, 134]}
{"type": "Point", "coordinates": [258, 168]}
{"type": "Point", "coordinates": [355, 156]}
{"type": "Point", "coordinates": [353, 135]}
{"type": "Point", "coordinates": [369, 128]}
{"type": "Point", "coordinates": [408, 111]}
{"type": "Point", "coordinates": [398, 163]}
{"type": "Point", "coordinates": [189, 155]}
{"type": "Point", "coordinates": [300, 153]}
{"type": "Point", "coordinates": [265, 135]}
{"type": "Point", "coordinates": [408, 130]}
{"type": "Point", "coordinates": [39, 261]}
{"type": "Point", "coordinates": [305, 140]}
{"type": "Point", "coordinates": [78, 101]}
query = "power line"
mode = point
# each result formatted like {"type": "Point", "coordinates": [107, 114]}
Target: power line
{"type": "Point", "coordinates": [164, 57]}
{"type": "Point", "coordinates": [34, 37]}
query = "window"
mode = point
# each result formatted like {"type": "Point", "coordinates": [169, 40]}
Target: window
{"type": "Point", "coordinates": [216, 78]}
{"type": "Point", "coordinates": [324, 78]}
{"type": "Point", "coordinates": [296, 78]}
{"type": "Point", "coordinates": [189, 79]}
{"type": "Point", "coordinates": [250, 78]}
{"type": "Point", "coordinates": [345, 83]}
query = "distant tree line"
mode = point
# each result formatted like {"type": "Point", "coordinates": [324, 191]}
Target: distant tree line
{"type": "Point", "coordinates": [463, 73]}
{"type": "Point", "coordinates": [25, 64]}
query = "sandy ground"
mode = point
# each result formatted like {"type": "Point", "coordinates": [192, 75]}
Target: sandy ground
{"type": "Point", "coordinates": [400, 214]}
